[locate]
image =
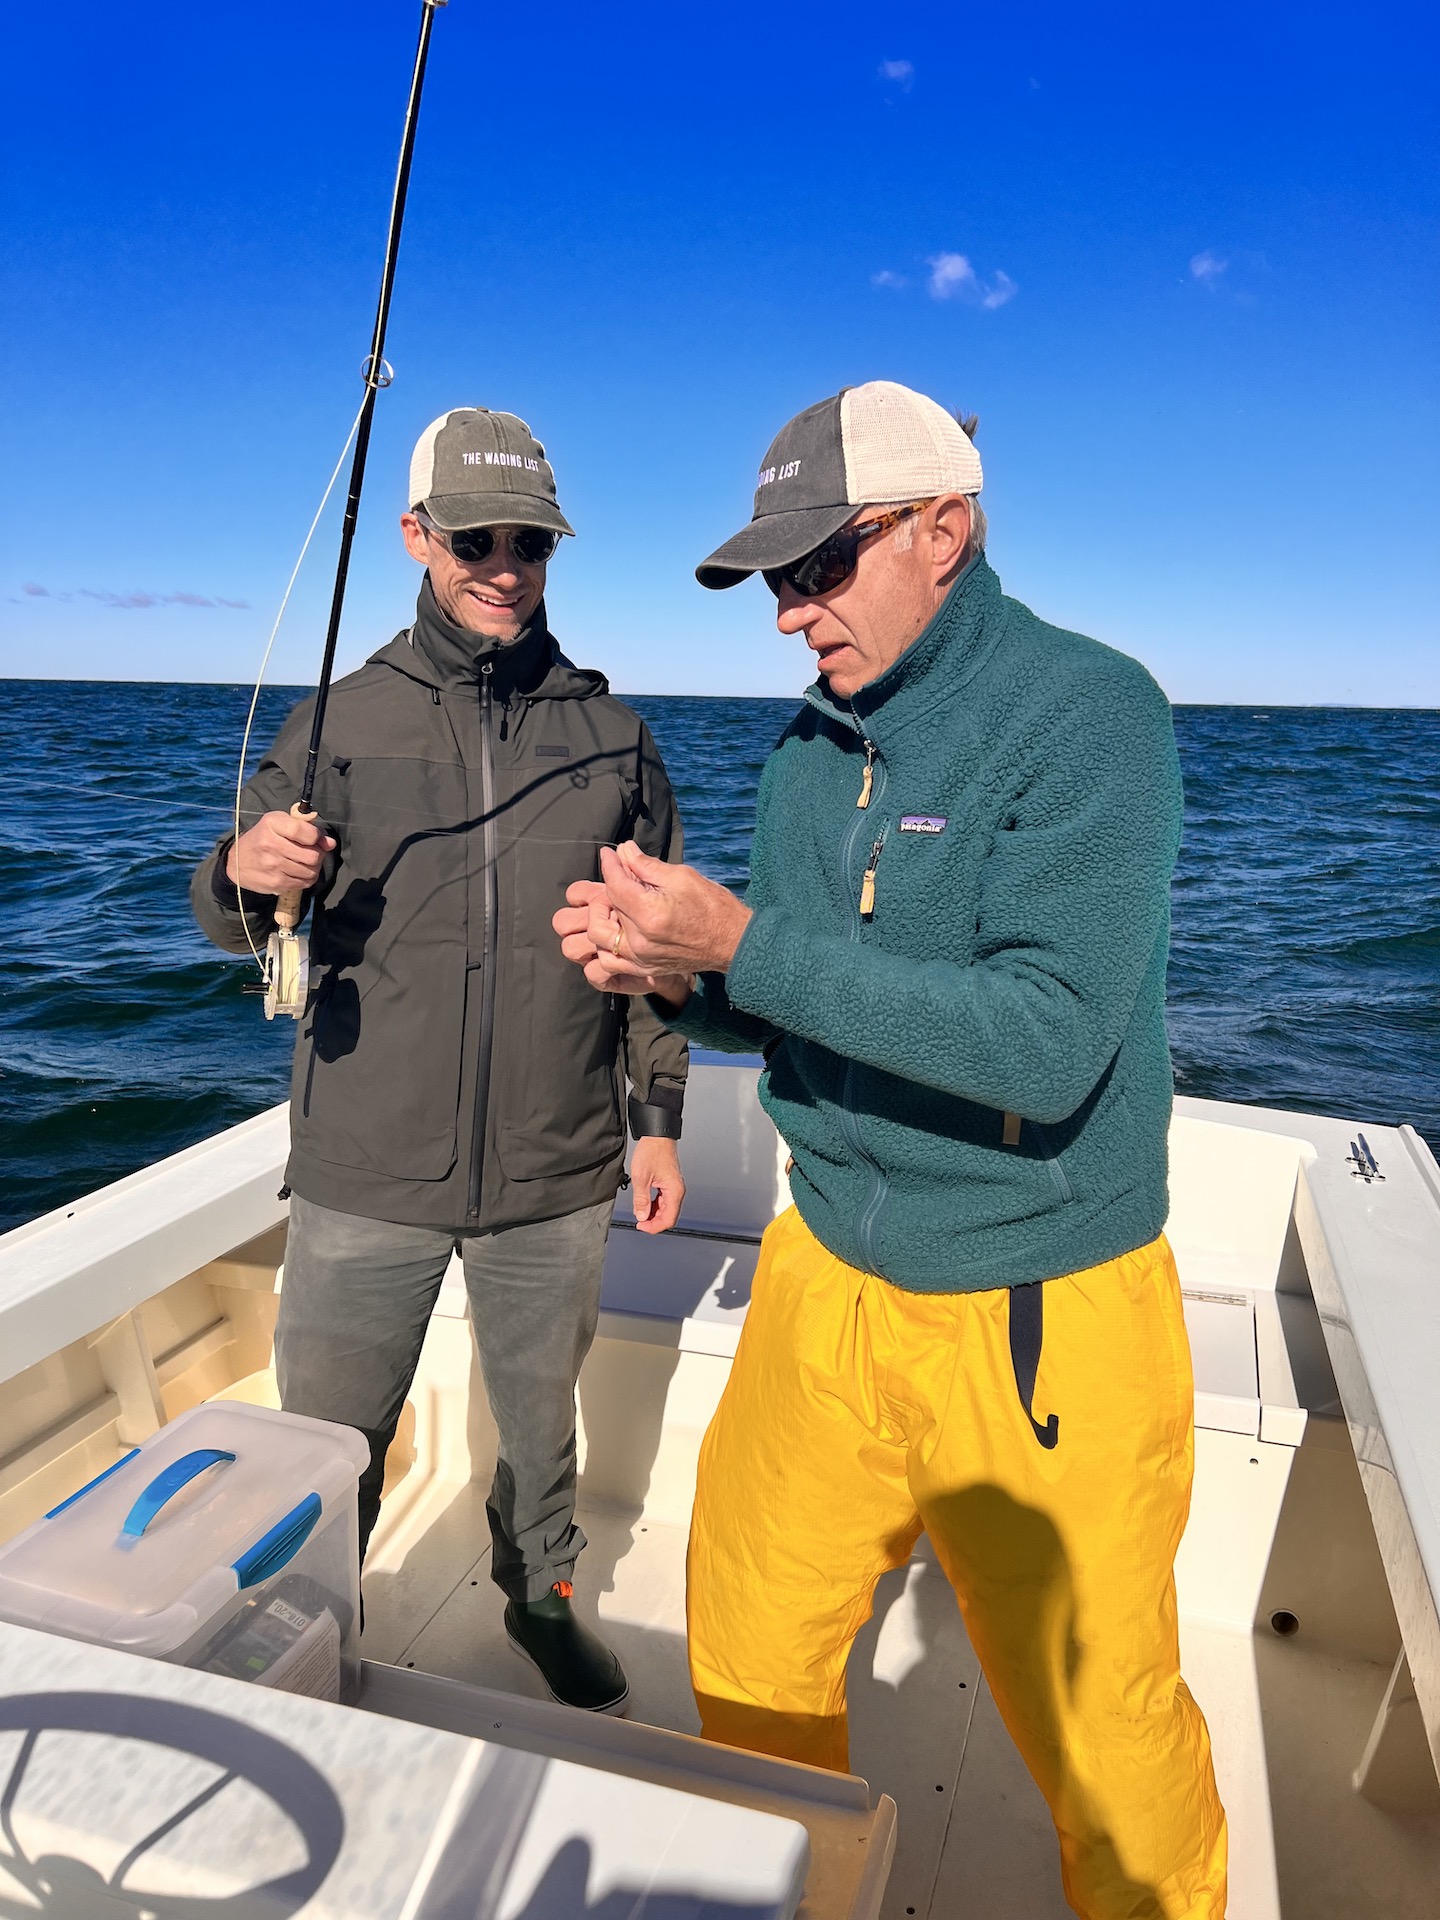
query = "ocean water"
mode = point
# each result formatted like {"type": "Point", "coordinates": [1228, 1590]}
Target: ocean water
{"type": "Point", "coordinates": [1305, 968]}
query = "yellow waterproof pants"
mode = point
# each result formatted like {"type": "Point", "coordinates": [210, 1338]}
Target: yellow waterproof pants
{"type": "Point", "coordinates": [1050, 1465]}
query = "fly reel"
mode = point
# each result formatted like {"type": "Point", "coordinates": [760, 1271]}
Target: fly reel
{"type": "Point", "coordinates": [287, 957]}
{"type": "Point", "coordinates": [287, 973]}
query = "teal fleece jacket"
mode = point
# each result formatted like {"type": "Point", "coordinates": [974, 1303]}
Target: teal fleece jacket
{"type": "Point", "coordinates": [1006, 959]}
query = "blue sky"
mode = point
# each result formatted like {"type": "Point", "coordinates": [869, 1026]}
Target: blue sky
{"type": "Point", "coordinates": [1183, 263]}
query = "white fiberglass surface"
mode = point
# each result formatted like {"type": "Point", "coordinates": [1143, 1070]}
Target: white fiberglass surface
{"type": "Point", "coordinates": [975, 1837]}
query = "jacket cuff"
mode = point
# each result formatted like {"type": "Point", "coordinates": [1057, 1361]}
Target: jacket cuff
{"type": "Point", "coordinates": [224, 890]}
{"type": "Point", "coordinates": [659, 1116]}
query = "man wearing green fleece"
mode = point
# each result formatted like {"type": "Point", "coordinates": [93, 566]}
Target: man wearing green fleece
{"type": "Point", "coordinates": [952, 953]}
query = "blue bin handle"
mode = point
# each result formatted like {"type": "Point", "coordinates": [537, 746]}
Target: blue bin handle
{"type": "Point", "coordinates": [279, 1546]}
{"type": "Point", "coordinates": [167, 1484]}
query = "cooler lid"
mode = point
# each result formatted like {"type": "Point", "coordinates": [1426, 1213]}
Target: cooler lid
{"type": "Point", "coordinates": [155, 1544]}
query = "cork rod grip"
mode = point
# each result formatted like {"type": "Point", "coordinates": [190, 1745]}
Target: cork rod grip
{"type": "Point", "coordinates": [288, 904]}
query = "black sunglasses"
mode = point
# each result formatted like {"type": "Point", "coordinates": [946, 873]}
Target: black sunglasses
{"type": "Point", "coordinates": [833, 561]}
{"type": "Point", "coordinates": [531, 546]}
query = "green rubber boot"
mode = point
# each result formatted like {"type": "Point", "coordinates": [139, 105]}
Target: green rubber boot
{"type": "Point", "coordinates": [577, 1667]}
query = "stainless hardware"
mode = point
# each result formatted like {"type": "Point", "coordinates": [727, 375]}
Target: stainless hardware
{"type": "Point", "coordinates": [1362, 1162]}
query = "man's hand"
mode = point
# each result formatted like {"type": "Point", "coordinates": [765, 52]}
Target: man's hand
{"type": "Point", "coordinates": [651, 927]}
{"type": "Point", "coordinates": [573, 924]}
{"type": "Point", "coordinates": [279, 854]}
{"type": "Point", "coordinates": [657, 1186]}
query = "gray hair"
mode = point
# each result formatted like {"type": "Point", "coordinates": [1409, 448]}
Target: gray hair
{"type": "Point", "coordinates": [979, 525]}
{"type": "Point", "coordinates": [969, 425]}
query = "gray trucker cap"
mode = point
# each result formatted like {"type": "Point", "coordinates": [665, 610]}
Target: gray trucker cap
{"type": "Point", "coordinates": [475, 468]}
{"type": "Point", "coordinates": [870, 446]}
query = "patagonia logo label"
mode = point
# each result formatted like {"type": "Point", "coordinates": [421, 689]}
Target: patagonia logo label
{"type": "Point", "coordinates": [552, 753]}
{"type": "Point", "coordinates": [924, 822]}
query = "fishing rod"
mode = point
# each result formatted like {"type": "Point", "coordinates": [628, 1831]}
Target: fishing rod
{"type": "Point", "coordinates": [287, 957]}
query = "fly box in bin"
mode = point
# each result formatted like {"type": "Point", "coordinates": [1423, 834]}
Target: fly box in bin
{"type": "Point", "coordinates": [227, 1541]}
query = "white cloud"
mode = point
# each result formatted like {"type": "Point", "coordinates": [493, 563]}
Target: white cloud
{"type": "Point", "coordinates": [900, 73]}
{"type": "Point", "coordinates": [950, 273]}
{"type": "Point", "coordinates": [953, 278]}
{"type": "Point", "coordinates": [1207, 267]}
{"type": "Point", "coordinates": [139, 597]}
{"type": "Point", "coordinates": [885, 278]}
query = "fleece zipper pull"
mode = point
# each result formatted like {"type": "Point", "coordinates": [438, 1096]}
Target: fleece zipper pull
{"type": "Point", "coordinates": [867, 880]}
{"type": "Point", "coordinates": [868, 778]}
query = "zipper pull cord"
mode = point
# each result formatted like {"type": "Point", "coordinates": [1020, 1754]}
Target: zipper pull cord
{"type": "Point", "coordinates": [867, 881]}
{"type": "Point", "coordinates": [868, 779]}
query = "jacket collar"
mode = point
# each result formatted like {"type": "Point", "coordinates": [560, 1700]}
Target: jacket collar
{"type": "Point", "coordinates": [947, 653]}
{"type": "Point", "coordinates": [448, 658]}
{"type": "Point", "coordinates": [458, 655]}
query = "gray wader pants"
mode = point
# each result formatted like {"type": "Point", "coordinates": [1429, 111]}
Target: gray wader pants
{"type": "Point", "coordinates": [356, 1301]}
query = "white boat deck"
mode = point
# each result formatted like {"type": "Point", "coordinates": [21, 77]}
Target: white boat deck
{"type": "Point", "coordinates": [1313, 1302]}
{"type": "Point", "coordinates": [974, 1835]}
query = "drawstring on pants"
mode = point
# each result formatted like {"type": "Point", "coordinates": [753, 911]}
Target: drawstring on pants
{"type": "Point", "coordinates": [1027, 1336]}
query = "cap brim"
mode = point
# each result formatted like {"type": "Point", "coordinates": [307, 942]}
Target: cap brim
{"type": "Point", "coordinates": [452, 511]}
{"type": "Point", "coordinates": [774, 540]}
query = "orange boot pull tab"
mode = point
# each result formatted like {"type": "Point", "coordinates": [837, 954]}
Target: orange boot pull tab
{"type": "Point", "coordinates": [868, 778]}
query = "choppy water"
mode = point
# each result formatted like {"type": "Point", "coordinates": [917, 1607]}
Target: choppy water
{"type": "Point", "coordinates": [1305, 969]}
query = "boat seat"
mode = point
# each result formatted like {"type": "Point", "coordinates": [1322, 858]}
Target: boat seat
{"type": "Point", "coordinates": [698, 1279]}
{"type": "Point", "coordinates": [1259, 1353]}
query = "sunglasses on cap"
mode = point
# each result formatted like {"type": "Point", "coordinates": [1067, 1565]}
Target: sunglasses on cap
{"type": "Point", "coordinates": [834, 560]}
{"type": "Point", "coordinates": [531, 546]}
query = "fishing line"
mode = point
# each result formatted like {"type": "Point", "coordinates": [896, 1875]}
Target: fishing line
{"type": "Point", "coordinates": [265, 661]}
{"type": "Point", "coordinates": [285, 967]}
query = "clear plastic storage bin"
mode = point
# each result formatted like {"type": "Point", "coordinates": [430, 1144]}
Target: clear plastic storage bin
{"type": "Point", "coordinates": [228, 1541]}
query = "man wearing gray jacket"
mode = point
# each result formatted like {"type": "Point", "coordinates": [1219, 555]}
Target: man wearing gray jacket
{"type": "Point", "coordinates": [456, 1084]}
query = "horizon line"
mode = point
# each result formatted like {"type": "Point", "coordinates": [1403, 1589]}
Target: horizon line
{"type": "Point", "coordinates": [303, 687]}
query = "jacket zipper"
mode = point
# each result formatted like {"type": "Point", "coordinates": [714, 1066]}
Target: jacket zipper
{"type": "Point", "coordinates": [490, 943]}
{"type": "Point", "coordinates": [871, 789]}
{"type": "Point", "coordinates": [867, 779]}
{"type": "Point", "coordinates": [867, 880]}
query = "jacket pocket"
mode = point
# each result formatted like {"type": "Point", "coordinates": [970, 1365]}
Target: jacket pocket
{"type": "Point", "coordinates": [558, 1088]}
{"type": "Point", "coordinates": [544, 865]}
{"type": "Point", "coordinates": [1051, 1157]}
{"type": "Point", "coordinates": [376, 1083]}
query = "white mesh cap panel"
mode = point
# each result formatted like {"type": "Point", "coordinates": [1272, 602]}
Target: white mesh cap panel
{"type": "Point", "coordinates": [901, 445]}
{"type": "Point", "coordinates": [422, 462]}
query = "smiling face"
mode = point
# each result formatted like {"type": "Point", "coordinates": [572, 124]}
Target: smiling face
{"type": "Point", "coordinates": [859, 629]}
{"type": "Point", "coordinates": [496, 597]}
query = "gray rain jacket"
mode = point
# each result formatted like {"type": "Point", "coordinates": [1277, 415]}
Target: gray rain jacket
{"type": "Point", "coordinates": [453, 1069]}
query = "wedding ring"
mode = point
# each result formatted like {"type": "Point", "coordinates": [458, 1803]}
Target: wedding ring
{"type": "Point", "coordinates": [615, 943]}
